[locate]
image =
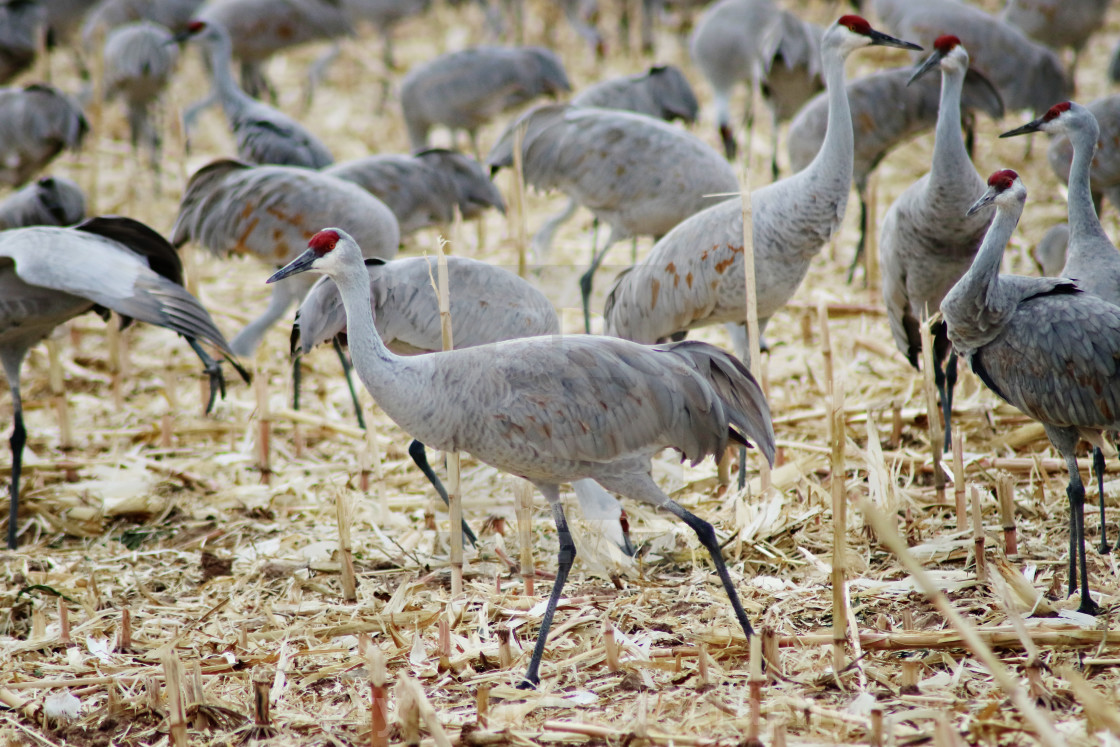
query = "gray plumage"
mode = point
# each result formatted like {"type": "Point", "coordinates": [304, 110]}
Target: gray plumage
{"type": "Point", "coordinates": [465, 90]}
{"type": "Point", "coordinates": [259, 29]}
{"type": "Point", "coordinates": [662, 92]}
{"type": "Point", "coordinates": [694, 276]}
{"type": "Point", "coordinates": [36, 123]}
{"type": "Point", "coordinates": [48, 201]}
{"type": "Point", "coordinates": [231, 207]}
{"type": "Point", "coordinates": [264, 134]}
{"type": "Point", "coordinates": [637, 174]}
{"type": "Point", "coordinates": [21, 24]}
{"type": "Point", "coordinates": [139, 59]}
{"type": "Point", "coordinates": [1050, 252]}
{"type": "Point", "coordinates": [423, 189]}
{"type": "Point", "coordinates": [758, 43]}
{"type": "Point", "coordinates": [488, 304]}
{"type": "Point", "coordinates": [927, 242]}
{"type": "Point", "coordinates": [108, 15]}
{"type": "Point", "coordinates": [1027, 75]}
{"type": "Point", "coordinates": [887, 111]}
{"type": "Point", "coordinates": [1042, 345]}
{"type": "Point", "coordinates": [49, 275]}
{"type": "Point", "coordinates": [556, 409]}
{"type": "Point", "coordinates": [1057, 23]}
{"type": "Point", "coordinates": [1104, 175]}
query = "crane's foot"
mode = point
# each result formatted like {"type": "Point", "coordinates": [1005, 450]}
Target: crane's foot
{"type": "Point", "coordinates": [213, 370]}
{"type": "Point", "coordinates": [1103, 548]}
{"type": "Point", "coordinates": [1088, 606]}
{"type": "Point", "coordinates": [527, 684]}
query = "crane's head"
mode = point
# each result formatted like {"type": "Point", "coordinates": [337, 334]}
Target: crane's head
{"type": "Point", "coordinates": [195, 29]}
{"type": "Point", "coordinates": [327, 252]}
{"type": "Point", "coordinates": [850, 33]}
{"type": "Point", "coordinates": [1004, 188]}
{"type": "Point", "coordinates": [1061, 118]}
{"type": "Point", "coordinates": [948, 54]}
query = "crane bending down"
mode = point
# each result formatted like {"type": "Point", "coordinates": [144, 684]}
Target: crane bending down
{"type": "Point", "coordinates": [231, 207]}
{"type": "Point", "coordinates": [263, 134]}
{"type": "Point", "coordinates": [488, 304]}
{"type": "Point", "coordinates": [48, 201]}
{"type": "Point", "coordinates": [36, 123]}
{"type": "Point", "coordinates": [1044, 346]}
{"type": "Point", "coordinates": [50, 275]}
{"type": "Point", "coordinates": [1091, 257]}
{"type": "Point", "coordinates": [556, 409]}
{"type": "Point", "coordinates": [637, 174]}
{"type": "Point", "coordinates": [925, 244]}
{"type": "Point", "coordinates": [694, 276]}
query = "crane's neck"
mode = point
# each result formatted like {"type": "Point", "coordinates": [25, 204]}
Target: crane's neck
{"type": "Point", "coordinates": [1084, 225]}
{"type": "Point", "coordinates": [372, 359]}
{"type": "Point", "coordinates": [974, 301]}
{"type": "Point", "coordinates": [837, 153]}
{"type": "Point", "coordinates": [220, 49]}
{"type": "Point", "coordinates": [950, 158]}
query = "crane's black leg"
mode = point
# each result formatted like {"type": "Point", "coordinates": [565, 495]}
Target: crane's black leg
{"type": "Point", "coordinates": [707, 536]}
{"type": "Point", "coordinates": [345, 361]}
{"type": "Point", "coordinates": [1098, 467]}
{"type": "Point", "coordinates": [567, 556]}
{"type": "Point", "coordinates": [862, 245]}
{"type": "Point", "coordinates": [297, 380]}
{"type": "Point", "coordinates": [742, 467]}
{"type": "Point", "coordinates": [420, 458]}
{"type": "Point", "coordinates": [586, 278]}
{"type": "Point", "coordinates": [949, 383]}
{"type": "Point", "coordinates": [213, 369]}
{"type": "Point", "coordinates": [1076, 493]}
{"type": "Point", "coordinates": [17, 441]}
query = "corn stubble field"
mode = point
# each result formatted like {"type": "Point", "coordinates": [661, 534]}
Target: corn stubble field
{"type": "Point", "coordinates": [152, 522]}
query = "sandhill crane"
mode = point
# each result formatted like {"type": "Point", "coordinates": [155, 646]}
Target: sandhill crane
{"type": "Point", "coordinates": [465, 90]}
{"type": "Point", "coordinates": [230, 207]}
{"type": "Point", "coordinates": [258, 29]}
{"type": "Point", "coordinates": [384, 15]}
{"type": "Point", "coordinates": [637, 174]}
{"type": "Point", "coordinates": [107, 15]}
{"type": "Point", "coordinates": [36, 123]}
{"type": "Point", "coordinates": [748, 41]}
{"type": "Point", "coordinates": [927, 242]}
{"type": "Point", "coordinates": [1026, 74]}
{"type": "Point", "coordinates": [49, 275]}
{"type": "Point", "coordinates": [1050, 252]}
{"type": "Point", "coordinates": [1057, 23]}
{"type": "Point", "coordinates": [423, 189]}
{"type": "Point", "coordinates": [264, 134]}
{"type": "Point", "coordinates": [694, 276]}
{"type": "Point", "coordinates": [556, 409]}
{"type": "Point", "coordinates": [139, 58]}
{"type": "Point", "coordinates": [1104, 176]}
{"type": "Point", "coordinates": [48, 201]}
{"type": "Point", "coordinates": [888, 109]}
{"type": "Point", "coordinates": [1043, 346]}
{"type": "Point", "coordinates": [661, 92]}
{"type": "Point", "coordinates": [1091, 257]}
{"type": "Point", "coordinates": [21, 24]}
{"type": "Point", "coordinates": [488, 304]}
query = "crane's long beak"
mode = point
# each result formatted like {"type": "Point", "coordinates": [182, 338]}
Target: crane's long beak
{"type": "Point", "coordinates": [1033, 126]}
{"type": "Point", "coordinates": [985, 199]}
{"type": "Point", "coordinates": [302, 263]}
{"type": "Point", "coordinates": [929, 63]}
{"type": "Point", "coordinates": [886, 40]}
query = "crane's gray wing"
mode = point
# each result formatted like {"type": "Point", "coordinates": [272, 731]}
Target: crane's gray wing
{"type": "Point", "coordinates": [275, 140]}
{"type": "Point", "coordinates": [1058, 360]}
{"type": "Point", "coordinates": [106, 273]}
{"type": "Point", "coordinates": [592, 399]}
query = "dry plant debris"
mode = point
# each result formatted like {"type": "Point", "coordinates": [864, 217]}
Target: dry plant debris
{"type": "Point", "coordinates": [151, 544]}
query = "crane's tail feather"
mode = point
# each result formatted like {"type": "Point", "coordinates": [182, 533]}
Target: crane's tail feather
{"type": "Point", "coordinates": [742, 397]}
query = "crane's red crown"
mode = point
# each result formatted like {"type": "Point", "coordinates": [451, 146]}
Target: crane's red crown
{"type": "Point", "coordinates": [855, 24]}
{"type": "Point", "coordinates": [195, 26]}
{"type": "Point", "coordinates": [1002, 180]}
{"type": "Point", "coordinates": [1055, 111]}
{"type": "Point", "coordinates": [946, 43]}
{"type": "Point", "coordinates": [323, 242]}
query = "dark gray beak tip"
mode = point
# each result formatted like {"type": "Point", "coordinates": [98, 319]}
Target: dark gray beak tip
{"type": "Point", "coordinates": [1028, 127]}
{"type": "Point", "coordinates": [886, 40]}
